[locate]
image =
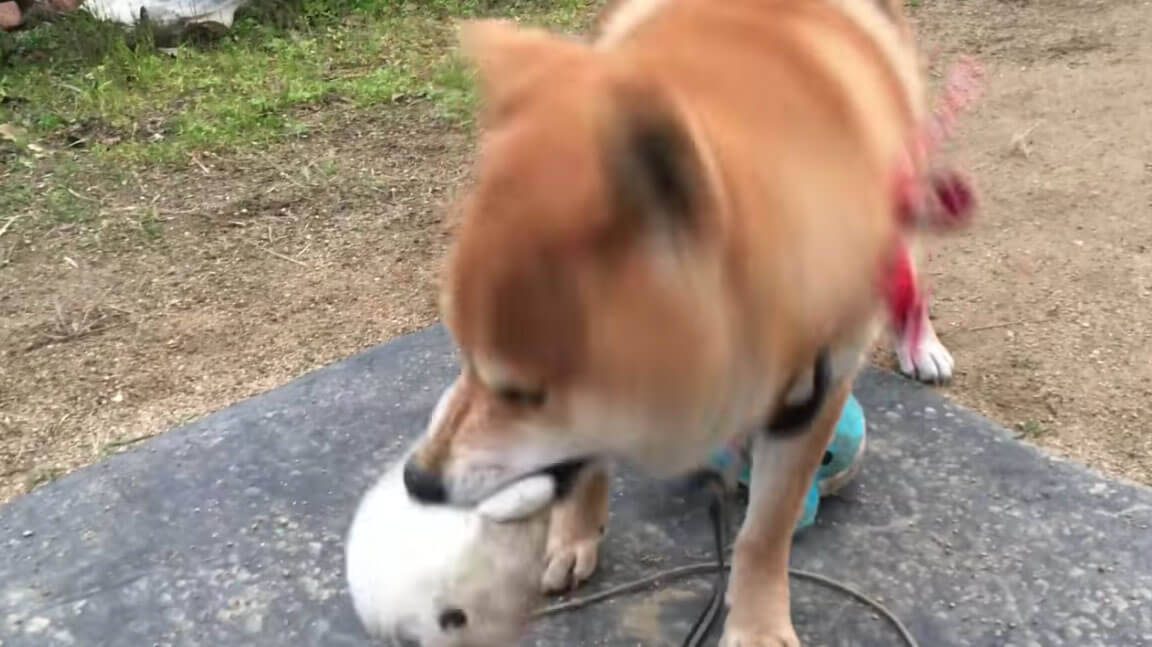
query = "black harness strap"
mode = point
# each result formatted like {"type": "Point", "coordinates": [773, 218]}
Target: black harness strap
{"type": "Point", "coordinates": [793, 418]}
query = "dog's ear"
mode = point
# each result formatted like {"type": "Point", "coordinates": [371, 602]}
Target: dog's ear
{"type": "Point", "coordinates": [654, 167]}
{"type": "Point", "coordinates": [506, 55]}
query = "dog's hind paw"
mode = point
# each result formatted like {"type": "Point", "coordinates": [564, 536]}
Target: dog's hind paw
{"type": "Point", "coordinates": [931, 363]}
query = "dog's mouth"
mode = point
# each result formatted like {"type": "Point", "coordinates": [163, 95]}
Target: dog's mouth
{"type": "Point", "coordinates": [565, 473]}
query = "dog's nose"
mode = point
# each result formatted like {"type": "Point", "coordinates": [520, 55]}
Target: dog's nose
{"type": "Point", "coordinates": [424, 485]}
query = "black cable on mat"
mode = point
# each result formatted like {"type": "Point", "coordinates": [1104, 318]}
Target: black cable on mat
{"type": "Point", "coordinates": [718, 511]}
{"type": "Point", "coordinates": [704, 623]}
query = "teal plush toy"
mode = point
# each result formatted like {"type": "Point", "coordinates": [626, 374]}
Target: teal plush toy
{"type": "Point", "coordinates": [841, 461]}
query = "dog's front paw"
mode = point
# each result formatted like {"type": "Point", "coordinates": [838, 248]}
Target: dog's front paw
{"type": "Point", "coordinates": [780, 635]}
{"type": "Point", "coordinates": [571, 557]}
{"type": "Point", "coordinates": [574, 531]}
{"type": "Point", "coordinates": [573, 550]}
{"type": "Point", "coordinates": [930, 363]}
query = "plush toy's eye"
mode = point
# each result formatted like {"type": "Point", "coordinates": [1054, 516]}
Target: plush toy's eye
{"type": "Point", "coordinates": [453, 619]}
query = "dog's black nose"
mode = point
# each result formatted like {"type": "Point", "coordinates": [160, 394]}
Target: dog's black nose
{"type": "Point", "coordinates": [423, 485]}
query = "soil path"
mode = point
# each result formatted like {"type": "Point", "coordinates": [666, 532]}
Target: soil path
{"type": "Point", "coordinates": [271, 265]}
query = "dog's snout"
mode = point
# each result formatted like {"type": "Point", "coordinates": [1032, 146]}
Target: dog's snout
{"type": "Point", "coordinates": [424, 485]}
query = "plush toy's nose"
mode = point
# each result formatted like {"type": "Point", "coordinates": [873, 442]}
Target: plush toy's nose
{"type": "Point", "coordinates": [424, 485]}
{"type": "Point", "coordinates": [404, 639]}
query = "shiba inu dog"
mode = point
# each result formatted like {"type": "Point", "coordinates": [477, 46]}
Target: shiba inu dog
{"type": "Point", "coordinates": [673, 238]}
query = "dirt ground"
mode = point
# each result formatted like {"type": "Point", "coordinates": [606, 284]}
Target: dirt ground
{"type": "Point", "coordinates": [205, 285]}
{"type": "Point", "coordinates": [1046, 304]}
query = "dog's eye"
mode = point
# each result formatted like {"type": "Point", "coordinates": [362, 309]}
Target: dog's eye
{"type": "Point", "coordinates": [532, 399]}
{"type": "Point", "coordinates": [453, 619]}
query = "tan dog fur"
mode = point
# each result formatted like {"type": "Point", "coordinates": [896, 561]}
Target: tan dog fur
{"type": "Point", "coordinates": [608, 306]}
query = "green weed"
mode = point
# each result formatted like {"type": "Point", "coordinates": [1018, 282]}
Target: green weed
{"type": "Point", "coordinates": [1031, 429]}
{"type": "Point", "coordinates": [154, 101]}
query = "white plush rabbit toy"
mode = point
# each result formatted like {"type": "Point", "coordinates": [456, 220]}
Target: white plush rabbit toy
{"type": "Point", "coordinates": [440, 576]}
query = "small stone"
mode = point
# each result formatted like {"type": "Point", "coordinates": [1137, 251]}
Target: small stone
{"type": "Point", "coordinates": [10, 15]}
{"type": "Point", "coordinates": [27, 534]}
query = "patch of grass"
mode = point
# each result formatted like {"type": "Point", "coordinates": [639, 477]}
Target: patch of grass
{"type": "Point", "coordinates": [1031, 429]}
{"type": "Point", "coordinates": [43, 193]}
{"type": "Point", "coordinates": [38, 476]}
{"type": "Point", "coordinates": [15, 198]}
{"type": "Point", "coordinates": [65, 206]}
{"type": "Point", "coordinates": [115, 93]}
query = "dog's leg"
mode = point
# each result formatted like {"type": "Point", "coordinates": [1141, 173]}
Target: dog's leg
{"type": "Point", "coordinates": [575, 529]}
{"type": "Point", "coordinates": [930, 362]}
{"type": "Point", "coordinates": [782, 471]}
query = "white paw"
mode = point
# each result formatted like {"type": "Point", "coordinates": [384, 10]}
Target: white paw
{"type": "Point", "coordinates": [569, 562]}
{"type": "Point", "coordinates": [780, 637]}
{"type": "Point", "coordinates": [931, 363]}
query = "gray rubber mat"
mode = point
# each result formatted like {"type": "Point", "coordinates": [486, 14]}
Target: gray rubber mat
{"type": "Point", "coordinates": [229, 531]}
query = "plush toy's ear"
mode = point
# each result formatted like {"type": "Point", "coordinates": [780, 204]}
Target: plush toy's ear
{"type": "Point", "coordinates": [519, 500]}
